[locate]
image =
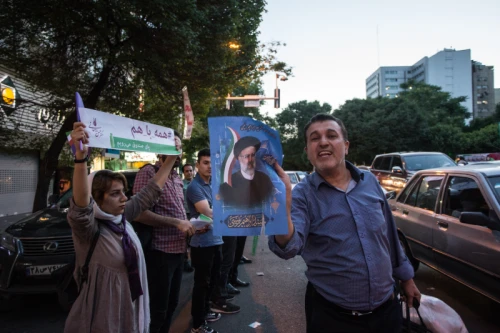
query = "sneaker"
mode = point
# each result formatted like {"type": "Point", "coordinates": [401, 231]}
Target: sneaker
{"type": "Point", "coordinates": [212, 316]}
{"type": "Point", "coordinates": [224, 308]}
{"type": "Point", "coordinates": [203, 329]}
{"type": "Point", "coordinates": [228, 297]}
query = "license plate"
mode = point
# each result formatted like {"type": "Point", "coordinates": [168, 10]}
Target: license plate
{"type": "Point", "coordinates": [42, 270]}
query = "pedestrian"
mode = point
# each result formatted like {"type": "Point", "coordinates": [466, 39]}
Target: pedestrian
{"type": "Point", "coordinates": [234, 281]}
{"type": "Point", "coordinates": [114, 297]}
{"type": "Point", "coordinates": [206, 255]}
{"type": "Point", "coordinates": [188, 172]}
{"type": "Point", "coordinates": [341, 224]}
{"type": "Point", "coordinates": [165, 258]}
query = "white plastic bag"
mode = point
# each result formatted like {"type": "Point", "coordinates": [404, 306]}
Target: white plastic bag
{"type": "Point", "coordinates": [438, 316]}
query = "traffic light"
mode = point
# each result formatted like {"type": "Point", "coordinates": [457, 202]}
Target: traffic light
{"type": "Point", "coordinates": [276, 98]}
{"type": "Point", "coordinates": [9, 97]}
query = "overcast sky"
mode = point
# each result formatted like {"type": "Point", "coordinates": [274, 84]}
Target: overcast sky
{"type": "Point", "coordinates": [332, 45]}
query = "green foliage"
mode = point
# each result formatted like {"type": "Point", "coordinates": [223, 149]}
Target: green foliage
{"type": "Point", "coordinates": [107, 50]}
{"type": "Point", "coordinates": [291, 122]}
{"type": "Point", "coordinates": [422, 118]}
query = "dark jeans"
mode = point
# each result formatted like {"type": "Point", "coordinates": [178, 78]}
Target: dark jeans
{"type": "Point", "coordinates": [240, 247]}
{"type": "Point", "coordinates": [206, 262]}
{"type": "Point", "coordinates": [164, 282]}
{"type": "Point", "coordinates": [323, 316]}
{"type": "Point", "coordinates": [228, 250]}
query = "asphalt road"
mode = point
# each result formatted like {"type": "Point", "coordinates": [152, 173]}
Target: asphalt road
{"type": "Point", "coordinates": [275, 300]}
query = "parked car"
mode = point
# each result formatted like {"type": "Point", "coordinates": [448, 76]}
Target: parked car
{"type": "Point", "coordinates": [394, 170]}
{"type": "Point", "coordinates": [296, 176]}
{"type": "Point", "coordinates": [35, 246]}
{"type": "Point", "coordinates": [448, 219]}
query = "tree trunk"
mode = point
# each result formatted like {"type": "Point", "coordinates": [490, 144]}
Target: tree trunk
{"type": "Point", "coordinates": [48, 164]}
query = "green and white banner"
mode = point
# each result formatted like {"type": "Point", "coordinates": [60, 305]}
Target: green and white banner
{"type": "Point", "coordinates": [115, 132]}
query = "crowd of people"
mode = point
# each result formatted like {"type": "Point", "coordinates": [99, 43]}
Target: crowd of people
{"type": "Point", "coordinates": [165, 202]}
{"type": "Point", "coordinates": [338, 220]}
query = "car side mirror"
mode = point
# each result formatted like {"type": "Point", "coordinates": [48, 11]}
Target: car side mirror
{"type": "Point", "coordinates": [390, 195]}
{"type": "Point", "coordinates": [397, 169]}
{"type": "Point", "coordinates": [480, 219]}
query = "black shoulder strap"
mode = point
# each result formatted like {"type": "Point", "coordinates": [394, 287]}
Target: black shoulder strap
{"type": "Point", "coordinates": [85, 268]}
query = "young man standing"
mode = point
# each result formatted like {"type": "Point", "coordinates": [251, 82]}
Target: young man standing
{"type": "Point", "coordinates": [206, 255]}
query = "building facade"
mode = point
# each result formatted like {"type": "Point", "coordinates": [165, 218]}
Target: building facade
{"type": "Point", "coordinates": [483, 90]}
{"type": "Point", "coordinates": [385, 81]}
{"type": "Point", "coordinates": [452, 70]}
{"type": "Point", "coordinates": [24, 130]}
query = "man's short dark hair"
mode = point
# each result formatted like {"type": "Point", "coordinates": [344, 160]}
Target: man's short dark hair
{"type": "Point", "coordinates": [203, 152]}
{"type": "Point", "coordinates": [185, 165]}
{"type": "Point", "coordinates": [320, 117]}
{"type": "Point", "coordinates": [177, 134]}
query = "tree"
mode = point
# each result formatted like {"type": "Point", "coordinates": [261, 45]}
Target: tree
{"type": "Point", "coordinates": [108, 50]}
{"type": "Point", "coordinates": [200, 136]}
{"type": "Point", "coordinates": [422, 118]}
{"type": "Point", "coordinates": [291, 122]}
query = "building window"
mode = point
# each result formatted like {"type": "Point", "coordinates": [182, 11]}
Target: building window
{"type": "Point", "coordinates": [391, 72]}
{"type": "Point", "coordinates": [391, 80]}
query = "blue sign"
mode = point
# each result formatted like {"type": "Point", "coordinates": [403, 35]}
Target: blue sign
{"type": "Point", "coordinates": [249, 197]}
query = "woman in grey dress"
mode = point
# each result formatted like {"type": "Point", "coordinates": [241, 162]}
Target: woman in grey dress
{"type": "Point", "coordinates": [114, 298]}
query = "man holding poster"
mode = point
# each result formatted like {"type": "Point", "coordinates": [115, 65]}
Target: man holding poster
{"type": "Point", "coordinates": [341, 224]}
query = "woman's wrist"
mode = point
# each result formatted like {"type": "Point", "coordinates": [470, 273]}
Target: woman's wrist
{"type": "Point", "coordinates": [80, 158]}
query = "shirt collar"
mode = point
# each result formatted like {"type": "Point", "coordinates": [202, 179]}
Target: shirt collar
{"type": "Point", "coordinates": [356, 175]}
{"type": "Point", "coordinates": [200, 180]}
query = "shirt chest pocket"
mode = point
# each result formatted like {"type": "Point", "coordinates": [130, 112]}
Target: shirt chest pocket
{"type": "Point", "coordinates": [375, 216]}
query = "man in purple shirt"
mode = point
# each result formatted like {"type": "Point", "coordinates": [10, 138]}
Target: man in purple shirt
{"type": "Point", "coordinates": [341, 224]}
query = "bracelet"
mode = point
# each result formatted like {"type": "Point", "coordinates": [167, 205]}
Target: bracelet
{"type": "Point", "coordinates": [83, 160]}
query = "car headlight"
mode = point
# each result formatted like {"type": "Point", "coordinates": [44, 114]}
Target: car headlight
{"type": "Point", "coordinates": [8, 241]}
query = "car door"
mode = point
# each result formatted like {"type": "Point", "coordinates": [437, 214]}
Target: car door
{"type": "Point", "coordinates": [414, 213]}
{"type": "Point", "coordinates": [468, 253]}
{"type": "Point", "coordinates": [381, 170]}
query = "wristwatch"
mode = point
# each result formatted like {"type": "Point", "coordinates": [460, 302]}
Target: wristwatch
{"type": "Point", "coordinates": [83, 160]}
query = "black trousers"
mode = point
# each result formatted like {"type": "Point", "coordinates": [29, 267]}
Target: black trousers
{"type": "Point", "coordinates": [240, 247]}
{"type": "Point", "coordinates": [206, 262]}
{"type": "Point", "coordinates": [164, 283]}
{"type": "Point", "coordinates": [323, 316]}
{"type": "Point", "coordinates": [228, 252]}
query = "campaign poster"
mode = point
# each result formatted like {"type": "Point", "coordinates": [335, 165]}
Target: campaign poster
{"type": "Point", "coordinates": [248, 196]}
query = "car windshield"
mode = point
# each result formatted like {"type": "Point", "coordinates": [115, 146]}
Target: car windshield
{"type": "Point", "coordinates": [301, 175]}
{"type": "Point", "coordinates": [495, 185]}
{"type": "Point", "coordinates": [423, 162]}
{"type": "Point", "coordinates": [293, 177]}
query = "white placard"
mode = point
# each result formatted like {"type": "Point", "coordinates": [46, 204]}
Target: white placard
{"type": "Point", "coordinates": [115, 132]}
